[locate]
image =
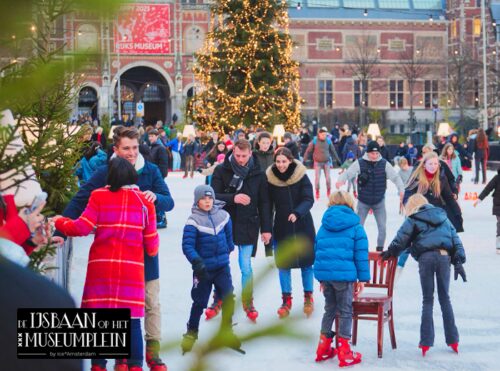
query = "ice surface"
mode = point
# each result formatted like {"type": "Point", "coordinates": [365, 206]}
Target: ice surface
{"type": "Point", "coordinates": [476, 303]}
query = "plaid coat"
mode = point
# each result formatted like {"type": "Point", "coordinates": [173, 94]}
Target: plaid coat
{"type": "Point", "coordinates": [125, 226]}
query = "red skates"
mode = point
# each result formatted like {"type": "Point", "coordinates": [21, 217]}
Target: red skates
{"type": "Point", "coordinates": [121, 365]}
{"type": "Point", "coordinates": [213, 310]}
{"type": "Point", "coordinates": [308, 303]}
{"type": "Point", "coordinates": [153, 356]}
{"type": "Point", "coordinates": [135, 368]}
{"type": "Point", "coordinates": [454, 346]}
{"type": "Point", "coordinates": [250, 310]}
{"type": "Point", "coordinates": [317, 194]}
{"type": "Point", "coordinates": [424, 348]}
{"type": "Point", "coordinates": [328, 193]}
{"type": "Point", "coordinates": [325, 350]}
{"type": "Point", "coordinates": [97, 368]}
{"type": "Point", "coordinates": [346, 356]}
{"type": "Point", "coordinates": [284, 310]}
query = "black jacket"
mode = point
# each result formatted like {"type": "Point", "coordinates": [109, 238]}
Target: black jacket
{"type": "Point", "coordinates": [294, 195]}
{"type": "Point", "coordinates": [426, 230]}
{"type": "Point", "coordinates": [446, 201]}
{"type": "Point", "coordinates": [265, 159]}
{"type": "Point", "coordinates": [158, 156]}
{"type": "Point", "coordinates": [493, 185]}
{"type": "Point", "coordinates": [247, 220]}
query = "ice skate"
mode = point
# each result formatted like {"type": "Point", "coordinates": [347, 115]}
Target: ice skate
{"type": "Point", "coordinates": [346, 356]}
{"type": "Point", "coordinates": [308, 303]}
{"type": "Point", "coordinates": [325, 350]}
{"type": "Point", "coordinates": [284, 310]}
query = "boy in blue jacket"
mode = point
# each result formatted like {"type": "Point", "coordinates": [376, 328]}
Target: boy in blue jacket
{"type": "Point", "coordinates": [341, 265]}
{"type": "Point", "coordinates": [207, 242]}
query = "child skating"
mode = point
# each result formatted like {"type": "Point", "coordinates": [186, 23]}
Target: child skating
{"type": "Point", "coordinates": [493, 185]}
{"type": "Point", "coordinates": [341, 266]}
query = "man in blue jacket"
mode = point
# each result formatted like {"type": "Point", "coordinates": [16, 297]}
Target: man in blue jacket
{"type": "Point", "coordinates": [151, 183]}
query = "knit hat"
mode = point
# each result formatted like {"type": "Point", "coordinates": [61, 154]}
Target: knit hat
{"type": "Point", "coordinates": [324, 129]}
{"type": "Point", "coordinates": [221, 157]}
{"type": "Point", "coordinates": [350, 155]}
{"type": "Point", "coordinates": [287, 135]}
{"type": "Point", "coordinates": [203, 191]}
{"type": "Point", "coordinates": [373, 146]}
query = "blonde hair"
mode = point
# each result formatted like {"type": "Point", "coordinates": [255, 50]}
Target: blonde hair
{"type": "Point", "coordinates": [341, 198]}
{"type": "Point", "coordinates": [414, 203]}
{"type": "Point", "coordinates": [421, 180]}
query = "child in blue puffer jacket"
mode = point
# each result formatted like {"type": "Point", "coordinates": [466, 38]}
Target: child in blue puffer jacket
{"type": "Point", "coordinates": [207, 242]}
{"type": "Point", "coordinates": [341, 265]}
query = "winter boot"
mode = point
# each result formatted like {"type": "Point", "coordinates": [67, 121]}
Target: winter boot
{"type": "Point", "coordinates": [121, 365]}
{"type": "Point", "coordinates": [498, 244]}
{"type": "Point", "coordinates": [454, 346]}
{"type": "Point", "coordinates": [250, 310]}
{"type": "Point", "coordinates": [213, 310]}
{"type": "Point", "coordinates": [285, 308]}
{"type": "Point", "coordinates": [135, 368]}
{"type": "Point", "coordinates": [325, 350]}
{"type": "Point", "coordinates": [153, 356]}
{"type": "Point", "coordinates": [308, 303]}
{"type": "Point", "coordinates": [425, 349]}
{"type": "Point", "coordinates": [97, 368]}
{"type": "Point", "coordinates": [317, 194]}
{"type": "Point", "coordinates": [346, 356]}
{"type": "Point", "coordinates": [188, 340]}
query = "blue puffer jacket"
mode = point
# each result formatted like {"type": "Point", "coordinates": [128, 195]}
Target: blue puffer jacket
{"type": "Point", "coordinates": [341, 247]}
{"type": "Point", "coordinates": [426, 230]}
{"type": "Point", "coordinates": [209, 236]}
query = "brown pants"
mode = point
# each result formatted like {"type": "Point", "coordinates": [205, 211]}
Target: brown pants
{"type": "Point", "coordinates": [152, 318]}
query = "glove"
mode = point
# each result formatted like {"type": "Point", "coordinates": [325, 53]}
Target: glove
{"type": "Point", "coordinates": [385, 255]}
{"type": "Point", "coordinates": [460, 271]}
{"type": "Point", "coordinates": [199, 270]}
{"type": "Point", "coordinates": [459, 179]}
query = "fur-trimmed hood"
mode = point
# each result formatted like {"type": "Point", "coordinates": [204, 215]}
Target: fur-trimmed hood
{"type": "Point", "coordinates": [297, 175]}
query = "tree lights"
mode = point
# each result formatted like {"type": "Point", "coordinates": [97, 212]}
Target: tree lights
{"type": "Point", "coordinates": [245, 70]}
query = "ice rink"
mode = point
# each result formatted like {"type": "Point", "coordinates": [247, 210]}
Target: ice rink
{"type": "Point", "coordinates": [476, 303]}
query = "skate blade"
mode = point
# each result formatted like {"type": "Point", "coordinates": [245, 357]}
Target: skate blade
{"type": "Point", "coordinates": [239, 350]}
{"type": "Point", "coordinates": [328, 356]}
{"type": "Point", "coordinates": [347, 364]}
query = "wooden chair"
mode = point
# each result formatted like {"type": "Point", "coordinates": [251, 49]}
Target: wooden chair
{"type": "Point", "coordinates": [377, 306]}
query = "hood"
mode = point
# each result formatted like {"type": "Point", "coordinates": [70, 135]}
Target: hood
{"type": "Point", "coordinates": [338, 218]}
{"type": "Point", "coordinates": [429, 214]}
{"type": "Point", "coordinates": [365, 157]}
{"type": "Point", "coordinates": [218, 205]}
{"type": "Point", "coordinates": [297, 175]}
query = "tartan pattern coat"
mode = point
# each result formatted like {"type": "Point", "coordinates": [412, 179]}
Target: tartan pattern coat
{"type": "Point", "coordinates": [125, 225]}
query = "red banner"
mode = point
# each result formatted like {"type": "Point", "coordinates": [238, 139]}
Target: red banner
{"type": "Point", "coordinates": [143, 29]}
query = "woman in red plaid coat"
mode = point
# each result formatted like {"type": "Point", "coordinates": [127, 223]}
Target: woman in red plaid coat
{"type": "Point", "coordinates": [125, 225]}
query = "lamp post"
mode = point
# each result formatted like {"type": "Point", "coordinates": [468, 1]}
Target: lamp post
{"type": "Point", "coordinates": [485, 76]}
{"type": "Point", "coordinates": [373, 130]}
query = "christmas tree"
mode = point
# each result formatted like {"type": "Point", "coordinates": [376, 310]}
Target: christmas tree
{"type": "Point", "coordinates": [245, 71]}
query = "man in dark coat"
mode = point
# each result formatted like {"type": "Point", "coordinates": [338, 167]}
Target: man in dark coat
{"type": "Point", "coordinates": [158, 153]}
{"type": "Point", "coordinates": [151, 183]}
{"type": "Point", "coordinates": [242, 185]}
{"type": "Point", "coordinates": [291, 145]}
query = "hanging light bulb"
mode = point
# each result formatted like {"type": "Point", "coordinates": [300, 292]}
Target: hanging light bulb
{"type": "Point", "coordinates": [431, 19]}
{"type": "Point", "coordinates": [299, 6]}
{"type": "Point", "coordinates": [365, 12]}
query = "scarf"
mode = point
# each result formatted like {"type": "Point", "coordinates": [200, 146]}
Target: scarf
{"type": "Point", "coordinates": [240, 172]}
{"type": "Point", "coordinates": [428, 175]}
{"type": "Point", "coordinates": [139, 164]}
{"type": "Point", "coordinates": [287, 174]}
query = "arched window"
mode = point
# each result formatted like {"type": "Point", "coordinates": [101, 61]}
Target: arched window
{"type": "Point", "coordinates": [87, 95]}
{"type": "Point", "coordinates": [86, 37]}
{"type": "Point", "coordinates": [194, 39]}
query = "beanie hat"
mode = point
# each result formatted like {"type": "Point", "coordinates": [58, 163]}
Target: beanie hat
{"type": "Point", "coordinates": [350, 155]}
{"type": "Point", "coordinates": [324, 129]}
{"type": "Point", "coordinates": [373, 147]}
{"type": "Point", "coordinates": [203, 191]}
{"type": "Point", "coordinates": [221, 157]}
{"type": "Point", "coordinates": [288, 136]}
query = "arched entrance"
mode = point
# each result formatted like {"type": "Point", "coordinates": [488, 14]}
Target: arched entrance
{"type": "Point", "coordinates": [88, 102]}
{"type": "Point", "coordinates": [145, 84]}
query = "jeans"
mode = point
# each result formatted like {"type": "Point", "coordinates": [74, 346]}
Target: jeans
{"type": "Point", "coordinates": [245, 263]}
{"type": "Point", "coordinates": [286, 279]}
{"type": "Point", "coordinates": [380, 217]}
{"type": "Point", "coordinates": [325, 166]}
{"type": "Point", "coordinates": [200, 293]}
{"type": "Point", "coordinates": [176, 161]}
{"type": "Point", "coordinates": [482, 162]}
{"type": "Point", "coordinates": [338, 299]}
{"type": "Point", "coordinates": [433, 264]}
{"type": "Point", "coordinates": [136, 346]}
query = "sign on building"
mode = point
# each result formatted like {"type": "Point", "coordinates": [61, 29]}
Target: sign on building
{"type": "Point", "coordinates": [143, 29]}
{"type": "Point", "coordinates": [139, 109]}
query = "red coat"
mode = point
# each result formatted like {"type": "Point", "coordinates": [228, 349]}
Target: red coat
{"type": "Point", "coordinates": [12, 227]}
{"type": "Point", "coordinates": [125, 225]}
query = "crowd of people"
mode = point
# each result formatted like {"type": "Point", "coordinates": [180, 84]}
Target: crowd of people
{"type": "Point", "coordinates": [256, 189]}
